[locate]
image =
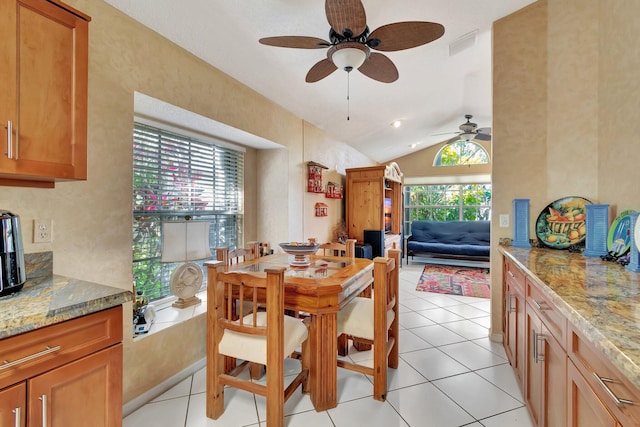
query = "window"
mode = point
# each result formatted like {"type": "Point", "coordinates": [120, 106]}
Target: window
{"type": "Point", "coordinates": [461, 153]}
{"type": "Point", "coordinates": [460, 202]}
{"type": "Point", "coordinates": [174, 176]}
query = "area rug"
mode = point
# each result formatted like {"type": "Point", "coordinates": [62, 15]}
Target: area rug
{"type": "Point", "coordinates": [454, 280]}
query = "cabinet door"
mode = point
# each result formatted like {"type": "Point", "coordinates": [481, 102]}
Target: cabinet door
{"type": "Point", "coordinates": [534, 386]}
{"type": "Point", "coordinates": [44, 102]}
{"type": "Point", "coordinates": [554, 398]}
{"type": "Point", "coordinates": [87, 392]}
{"type": "Point", "coordinates": [584, 407]}
{"type": "Point", "coordinates": [515, 334]}
{"type": "Point", "coordinates": [13, 406]}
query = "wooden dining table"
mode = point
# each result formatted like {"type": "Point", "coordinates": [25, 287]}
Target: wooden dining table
{"type": "Point", "coordinates": [319, 290]}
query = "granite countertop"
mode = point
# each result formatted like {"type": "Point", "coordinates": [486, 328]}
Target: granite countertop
{"type": "Point", "coordinates": [53, 299]}
{"type": "Point", "coordinates": [601, 299]}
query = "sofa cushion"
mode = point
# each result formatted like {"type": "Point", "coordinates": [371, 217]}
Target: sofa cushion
{"type": "Point", "coordinates": [470, 238]}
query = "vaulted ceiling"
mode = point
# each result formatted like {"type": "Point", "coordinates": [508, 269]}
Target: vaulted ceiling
{"type": "Point", "coordinates": [438, 82]}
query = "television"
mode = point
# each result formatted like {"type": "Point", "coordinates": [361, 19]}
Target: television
{"type": "Point", "coordinates": [388, 214]}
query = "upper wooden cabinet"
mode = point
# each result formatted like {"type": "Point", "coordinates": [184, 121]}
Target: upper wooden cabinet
{"type": "Point", "coordinates": [43, 95]}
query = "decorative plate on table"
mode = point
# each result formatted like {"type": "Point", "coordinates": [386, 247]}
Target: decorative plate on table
{"type": "Point", "coordinates": [619, 238]}
{"type": "Point", "coordinates": [562, 223]}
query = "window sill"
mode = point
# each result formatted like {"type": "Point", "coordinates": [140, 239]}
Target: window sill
{"type": "Point", "coordinates": [168, 316]}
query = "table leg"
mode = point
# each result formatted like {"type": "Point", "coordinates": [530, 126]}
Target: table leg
{"type": "Point", "coordinates": [323, 368]}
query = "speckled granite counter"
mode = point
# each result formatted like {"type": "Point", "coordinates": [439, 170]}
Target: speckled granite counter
{"type": "Point", "coordinates": [47, 300]}
{"type": "Point", "coordinates": [601, 299]}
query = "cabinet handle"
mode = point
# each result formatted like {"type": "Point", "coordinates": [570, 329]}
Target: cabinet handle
{"type": "Point", "coordinates": [17, 417]}
{"type": "Point", "coordinates": [541, 305]}
{"type": "Point", "coordinates": [9, 139]}
{"type": "Point", "coordinates": [44, 410]}
{"type": "Point", "coordinates": [616, 399]}
{"type": "Point", "coordinates": [536, 338]}
{"type": "Point", "coordinates": [7, 365]}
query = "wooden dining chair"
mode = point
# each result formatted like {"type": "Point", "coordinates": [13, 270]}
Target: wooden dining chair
{"type": "Point", "coordinates": [234, 256]}
{"type": "Point", "coordinates": [375, 321]}
{"type": "Point", "coordinates": [347, 249]}
{"type": "Point", "coordinates": [262, 337]}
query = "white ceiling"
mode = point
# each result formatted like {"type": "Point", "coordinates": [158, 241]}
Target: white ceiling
{"type": "Point", "coordinates": [434, 92]}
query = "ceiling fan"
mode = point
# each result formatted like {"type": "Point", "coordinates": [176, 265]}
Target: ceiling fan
{"type": "Point", "coordinates": [351, 42]}
{"type": "Point", "coordinates": [469, 131]}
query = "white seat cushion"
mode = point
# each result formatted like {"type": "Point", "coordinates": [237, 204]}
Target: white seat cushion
{"type": "Point", "coordinates": [356, 318]}
{"type": "Point", "coordinates": [254, 348]}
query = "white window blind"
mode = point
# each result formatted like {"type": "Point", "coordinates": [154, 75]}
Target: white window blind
{"type": "Point", "coordinates": [176, 176]}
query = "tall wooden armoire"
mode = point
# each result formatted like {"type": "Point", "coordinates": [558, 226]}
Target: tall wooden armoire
{"type": "Point", "coordinates": [374, 204]}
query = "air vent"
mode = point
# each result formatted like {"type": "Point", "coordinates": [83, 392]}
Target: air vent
{"type": "Point", "coordinates": [464, 42]}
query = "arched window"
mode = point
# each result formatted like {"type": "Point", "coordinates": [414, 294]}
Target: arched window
{"type": "Point", "coordinates": [461, 153]}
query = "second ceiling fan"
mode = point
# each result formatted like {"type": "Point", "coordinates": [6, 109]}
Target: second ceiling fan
{"type": "Point", "coordinates": [350, 42]}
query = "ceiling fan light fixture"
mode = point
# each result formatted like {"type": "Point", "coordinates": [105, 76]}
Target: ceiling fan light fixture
{"type": "Point", "coordinates": [468, 136]}
{"type": "Point", "coordinates": [348, 58]}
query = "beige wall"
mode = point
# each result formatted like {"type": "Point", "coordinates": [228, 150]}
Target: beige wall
{"type": "Point", "coordinates": [92, 220]}
{"type": "Point", "coordinates": [565, 110]}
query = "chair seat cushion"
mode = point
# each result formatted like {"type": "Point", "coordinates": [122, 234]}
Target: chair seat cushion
{"type": "Point", "coordinates": [254, 348]}
{"type": "Point", "coordinates": [356, 318]}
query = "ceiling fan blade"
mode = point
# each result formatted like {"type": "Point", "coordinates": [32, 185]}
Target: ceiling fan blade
{"type": "Point", "coordinates": [446, 133]}
{"type": "Point", "coordinates": [483, 137]}
{"type": "Point", "coordinates": [346, 15]}
{"type": "Point", "coordinates": [404, 35]}
{"type": "Point", "coordinates": [320, 70]}
{"type": "Point", "coordinates": [299, 42]}
{"type": "Point", "coordinates": [380, 68]}
{"type": "Point", "coordinates": [484, 130]}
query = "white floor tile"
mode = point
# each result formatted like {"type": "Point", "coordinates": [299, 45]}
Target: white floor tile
{"type": "Point", "coordinates": [368, 412]}
{"type": "Point", "coordinates": [437, 335]}
{"type": "Point", "coordinates": [476, 395]}
{"type": "Point", "coordinates": [467, 329]}
{"type": "Point", "coordinates": [426, 406]}
{"type": "Point", "coordinates": [517, 417]}
{"type": "Point", "coordinates": [408, 341]}
{"type": "Point", "coordinates": [182, 389]}
{"type": "Point", "coordinates": [472, 356]}
{"type": "Point", "coordinates": [417, 304]}
{"type": "Point", "coordinates": [433, 364]}
{"type": "Point", "coordinates": [466, 311]}
{"type": "Point", "coordinates": [167, 413]}
{"type": "Point", "coordinates": [239, 410]}
{"type": "Point", "coordinates": [494, 347]}
{"type": "Point", "coordinates": [441, 315]}
{"type": "Point", "coordinates": [412, 319]}
{"type": "Point", "coordinates": [503, 377]}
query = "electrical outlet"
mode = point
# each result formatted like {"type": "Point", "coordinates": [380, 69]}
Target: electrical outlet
{"type": "Point", "coordinates": [504, 220]}
{"type": "Point", "coordinates": [42, 231]}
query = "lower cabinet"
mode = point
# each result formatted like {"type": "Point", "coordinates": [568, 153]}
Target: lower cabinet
{"type": "Point", "coordinates": [585, 409]}
{"type": "Point", "coordinates": [68, 374]}
{"type": "Point", "coordinates": [564, 378]}
{"type": "Point", "coordinates": [546, 372]}
{"type": "Point", "coordinates": [13, 403]}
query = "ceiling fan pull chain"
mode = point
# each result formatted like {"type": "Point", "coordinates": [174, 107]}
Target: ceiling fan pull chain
{"type": "Point", "coordinates": [348, 100]}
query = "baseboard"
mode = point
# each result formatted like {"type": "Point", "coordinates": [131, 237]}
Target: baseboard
{"type": "Point", "coordinates": [136, 403]}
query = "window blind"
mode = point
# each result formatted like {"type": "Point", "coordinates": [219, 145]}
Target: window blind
{"type": "Point", "coordinates": [174, 176]}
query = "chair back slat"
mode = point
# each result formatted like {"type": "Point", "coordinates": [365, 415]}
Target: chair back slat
{"type": "Point", "coordinates": [347, 249]}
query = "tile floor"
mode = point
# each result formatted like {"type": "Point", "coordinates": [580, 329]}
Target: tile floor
{"type": "Point", "coordinates": [450, 374]}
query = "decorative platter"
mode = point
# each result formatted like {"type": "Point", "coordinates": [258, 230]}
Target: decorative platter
{"type": "Point", "coordinates": [619, 238]}
{"type": "Point", "coordinates": [562, 222]}
{"type": "Point", "coordinates": [300, 252]}
{"type": "Point", "coordinates": [636, 233]}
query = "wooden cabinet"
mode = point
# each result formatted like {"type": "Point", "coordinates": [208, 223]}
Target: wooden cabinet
{"type": "Point", "coordinates": [514, 318]}
{"type": "Point", "coordinates": [374, 202]}
{"type": "Point", "coordinates": [13, 403]}
{"type": "Point", "coordinates": [43, 96]}
{"type": "Point", "coordinates": [598, 391]}
{"type": "Point", "coordinates": [69, 374]}
{"type": "Point", "coordinates": [565, 379]}
{"type": "Point", "coordinates": [545, 367]}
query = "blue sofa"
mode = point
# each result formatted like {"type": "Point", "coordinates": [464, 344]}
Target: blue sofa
{"type": "Point", "coordinates": [450, 239]}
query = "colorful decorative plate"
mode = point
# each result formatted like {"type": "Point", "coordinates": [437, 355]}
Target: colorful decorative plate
{"type": "Point", "coordinates": [562, 223]}
{"type": "Point", "coordinates": [619, 238]}
{"type": "Point", "coordinates": [636, 233]}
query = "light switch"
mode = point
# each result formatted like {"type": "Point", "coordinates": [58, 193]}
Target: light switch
{"type": "Point", "coordinates": [504, 220]}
